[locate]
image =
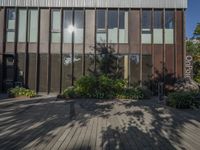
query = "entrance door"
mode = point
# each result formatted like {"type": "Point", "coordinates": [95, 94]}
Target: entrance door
{"type": "Point", "coordinates": [9, 72]}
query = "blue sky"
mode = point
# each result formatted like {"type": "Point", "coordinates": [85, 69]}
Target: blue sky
{"type": "Point", "coordinates": [192, 16]}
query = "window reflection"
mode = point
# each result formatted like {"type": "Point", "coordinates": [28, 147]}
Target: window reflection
{"type": "Point", "coordinates": [158, 27]}
{"type": "Point", "coordinates": [56, 26]}
{"type": "Point", "coordinates": [146, 27]}
{"type": "Point", "coordinates": [78, 26]}
{"type": "Point", "coordinates": [22, 25]}
{"type": "Point", "coordinates": [11, 17]}
{"type": "Point", "coordinates": [112, 26]}
{"type": "Point", "coordinates": [169, 27]}
{"type": "Point", "coordinates": [67, 26]}
{"type": "Point", "coordinates": [101, 26]}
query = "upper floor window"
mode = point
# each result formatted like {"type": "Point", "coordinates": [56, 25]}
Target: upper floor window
{"type": "Point", "coordinates": [101, 26]}
{"type": "Point", "coordinates": [22, 25]}
{"type": "Point", "coordinates": [112, 26]}
{"type": "Point", "coordinates": [33, 25]}
{"type": "Point", "coordinates": [158, 27]}
{"type": "Point", "coordinates": [55, 26]}
{"type": "Point", "coordinates": [146, 27]}
{"type": "Point", "coordinates": [68, 27]}
{"type": "Point", "coordinates": [123, 26]}
{"type": "Point", "coordinates": [11, 17]}
{"type": "Point", "coordinates": [169, 26]}
{"type": "Point", "coordinates": [79, 26]}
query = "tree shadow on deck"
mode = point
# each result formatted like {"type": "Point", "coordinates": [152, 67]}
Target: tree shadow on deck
{"type": "Point", "coordinates": [148, 125]}
{"type": "Point", "coordinates": [129, 124]}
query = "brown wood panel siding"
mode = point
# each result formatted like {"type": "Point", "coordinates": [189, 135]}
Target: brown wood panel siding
{"type": "Point", "coordinates": [89, 30]}
{"type": "Point", "coordinates": [67, 48]}
{"type": "Point", "coordinates": [42, 83]}
{"type": "Point", "coordinates": [10, 48]}
{"type": "Point", "coordinates": [32, 71]}
{"type": "Point", "coordinates": [146, 49]}
{"type": "Point", "coordinates": [1, 72]}
{"type": "Point", "coordinates": [134, 68]}
{"type": "Point", "coordinates": [179, 42]}
{"type": "Point", "coordinates": [78, 67]}
{"type": "Point", "coordinates": [55, 73]}
{"type": "Point", "coordinates": [66, 71]}
{"type": "Point", "coordinates": [44, 30]}
{"type": "Point", "coordinates": [2, 31]}
{"type": "Point", "coordinates": [123, 49]}
{"type": "Point", "coordinates": [21, 47]}
{"type": "Point", "coordinates": [20, 67]}
{"type": "Point", "coordinates": [134, 31]}
{"type": "Point", "coordinates": [32, 48]}
{"type": "Point", "coordinates": [169, 56]}
{"type": "Point", "coordinates": [146, 67]}
{"type": "Point", "coordinates": [158, 60]}
{"type": "Point", "coordinates": [55, 48]}
{"type": "Point", "coordinates": [43, 49]}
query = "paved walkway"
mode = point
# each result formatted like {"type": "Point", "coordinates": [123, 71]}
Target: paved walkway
{"type": "Point", "coordinates": [128, 125]}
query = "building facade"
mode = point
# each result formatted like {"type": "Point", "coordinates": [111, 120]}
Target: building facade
{"type": "Point", "coordinates": [46, 45]}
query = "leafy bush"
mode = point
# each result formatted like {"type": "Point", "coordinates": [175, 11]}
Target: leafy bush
{"type": "Point", "coordinates": [86, 86]}
{"type": "Point", "coordinates": [20, 91]}
{"type": "Point", "coordinates": [69, 93]}
{"type": "Point", "coordinates": [103, 87]}
{"type": "Point", "coordinates": [131, 93]}
{"type": "Point", "coordinates": [182, 100]}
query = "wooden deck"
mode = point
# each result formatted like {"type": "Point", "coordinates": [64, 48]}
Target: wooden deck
{"type": "Point", "coordinates": [106, 125]}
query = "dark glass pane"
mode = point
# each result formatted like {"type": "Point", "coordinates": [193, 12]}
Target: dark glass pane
{"type": "Point", "coordinates": [67, 18]}
{"type": "Point", "coordinates": [78, 24]}
{"type": "Point", "coordinates": [121, 20]}
{"type": "Point", "coordinates": [112, 19]}
{"type": "Point", "coordinates": [67, 26]}
{"type": "Point", "coordinates": [79, 18]}
{"type": "Point", "coordinates": [146, 19]}
{"type": "Point", "coordinates": [169, 19]}
{"type": "Point", "coordinates": [101, 19]}
{"type": "Point", "coordinates": [158, 19]}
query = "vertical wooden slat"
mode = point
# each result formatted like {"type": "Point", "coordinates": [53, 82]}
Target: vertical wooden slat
{"type": "Point", "coordinates": [15, 45]}
{"type": "Point", "coordinates": [73, 13]}
{"type": "Point", "coordinates": [141, 47]}
{"type": "Point", "coordinates": [49, 54]}
{"type": "Point", "coordinates": [26, 51]}
{"type": "Point", "coordinates": [61, 49]}
{"type": "Point", "coordinates": [37, 54]}
{"type": "Point", "coordinates": [83, 55]}
{"type": "Point", "coordinates": [2, 44]}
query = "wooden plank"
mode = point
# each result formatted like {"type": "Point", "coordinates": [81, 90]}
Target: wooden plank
{"type": "Point", "coordinates": [85, 143]}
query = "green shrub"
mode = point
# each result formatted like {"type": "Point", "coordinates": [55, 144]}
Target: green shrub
{"type": "Point", "coordinates": [103, 87]}
{"type": "Point", "coordinates": [131, 93]}
{"type": "Point", "coordinates": [182, 100]}
{"type": "Point", "coordinates": [20, 91]}
{"type": "Point", "coordinates": [69, 93]}
{"type": "Point", "coordinates": [86, 86]}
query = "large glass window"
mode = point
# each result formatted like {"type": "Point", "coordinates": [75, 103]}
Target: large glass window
{"type": "Point", "coordinates": [112, 26]}
{"type": "Point", "coordinates": [33, 25]}
{"type": "Point", "coordinates": [68, 27]}
{"type": "Point", "coordinates": [146, 27]}
{"type": "Point", "coordinates": [79, 26]}
{"type": "Point", "coordinates": [123, 26]}
{"type": "Point", "coordinates": [158, 27]}
{"type": "Point", "coordinates": [22, 25]}
{"type": "Point", "coordinates": [11, 17]}
{"type": "Point", "coordinates": [55, 26]}
{"type": "Point", "coordinates": [101, 26]}
{"type": "Point", "coordinates": [169, 26]}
